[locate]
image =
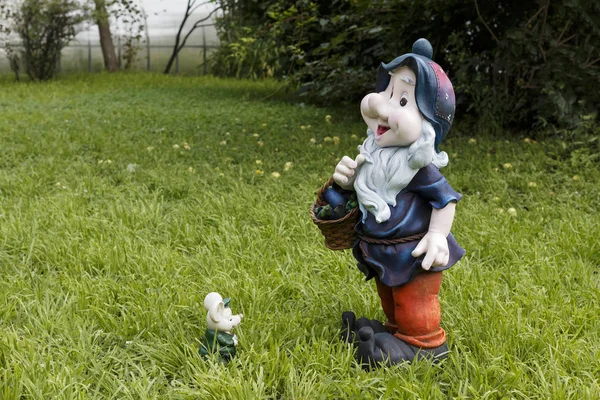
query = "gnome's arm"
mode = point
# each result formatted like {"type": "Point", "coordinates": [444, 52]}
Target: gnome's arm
{"type": "Point", "coordinates": [435, 243]}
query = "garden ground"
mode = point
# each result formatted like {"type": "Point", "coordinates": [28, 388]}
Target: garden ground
{"type": "Point", "coordinates": [127, 198]}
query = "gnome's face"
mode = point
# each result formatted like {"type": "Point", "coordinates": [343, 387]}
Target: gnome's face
{"type": "Point", "coordinates": [393, 115]}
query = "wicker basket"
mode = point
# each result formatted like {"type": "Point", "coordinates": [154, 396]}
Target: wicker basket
{"type": "Point", "coordinates": [339, 233]}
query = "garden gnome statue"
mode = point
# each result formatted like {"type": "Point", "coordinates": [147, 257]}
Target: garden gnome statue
{"type": "Point", "coordinates": [219, 324]}
{"type": "Point", "coordinates": [406, 209]}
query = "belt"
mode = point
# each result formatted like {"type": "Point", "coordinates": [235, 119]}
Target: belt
{"type": "Point", "coordinates": [405, 239]}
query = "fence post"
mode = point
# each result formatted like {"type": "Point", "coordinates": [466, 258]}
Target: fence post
{"type": "Point", "coordinates": [148, 55]}
{"type": "Point", "coordinates": [119, 52]}
{"type": "Point", "coordinates": [204, 50]}
{"type": "Point", "coordinates": [89, 56]}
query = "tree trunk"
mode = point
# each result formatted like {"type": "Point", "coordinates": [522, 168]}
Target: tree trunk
{"type": "Point", "coordinates": [106, 42]}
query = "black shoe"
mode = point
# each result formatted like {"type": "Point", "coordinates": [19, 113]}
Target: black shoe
{"type": "Point", "coordinates": [377, 326]}
{"type": "Point", "coordinates": [351, 325]}
{"type": "Point", "coordinates": [376, 349]}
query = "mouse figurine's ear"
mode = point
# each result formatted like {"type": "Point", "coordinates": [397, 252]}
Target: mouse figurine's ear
{"type": "Point", "coordinates": [211, 299]}
{"type": "Point", "coordinates": [216, 311]}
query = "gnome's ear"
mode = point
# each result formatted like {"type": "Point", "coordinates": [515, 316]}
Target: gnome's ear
{"type": "Point", "coordinates": [383, 78]}
{"type": "Point", "coordinates": [216, 311]}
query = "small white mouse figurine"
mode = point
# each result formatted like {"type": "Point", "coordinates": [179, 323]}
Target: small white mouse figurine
{"type": "Point", "coordinates": [219, 324]}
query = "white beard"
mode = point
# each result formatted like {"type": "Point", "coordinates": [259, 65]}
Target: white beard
{"type": "Point", "coordinates": [388, 170]}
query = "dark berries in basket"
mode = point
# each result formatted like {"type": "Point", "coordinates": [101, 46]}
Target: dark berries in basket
{"type": "Point", "coordinates": [334, 198]}
{"type": "Point", "coordinates": [338, 204]}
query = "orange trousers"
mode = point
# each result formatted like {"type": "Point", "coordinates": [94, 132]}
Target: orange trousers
{"type": "Point", "coordinates": [413, 310]}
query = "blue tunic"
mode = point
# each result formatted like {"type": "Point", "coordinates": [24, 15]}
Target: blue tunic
{"type": "Point", "coordinates": [394, 264]}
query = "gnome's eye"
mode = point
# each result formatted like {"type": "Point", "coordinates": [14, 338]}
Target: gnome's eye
{"type": "Point", "coordinates": [403, 100]}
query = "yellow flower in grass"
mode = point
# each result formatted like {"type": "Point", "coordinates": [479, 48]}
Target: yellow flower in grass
{"type": "Point", "coordinates": [313, 140]}
{"type": "Point", "coordinates": [336, 140]}
{"type": "Point", "coordinates": [223, 142]}
{"type": "Point", "coordinates": [149, 148]}
{"type": "Point", "coordinates": [186, 146]}
{"type": "Point", "coordinates": [512, 212]}
{"type": "Point", "coordinates": [472, 141]}
{"type": "Point", "coordinates": [260, 143]}
{"type": "Point", "coordinates": [176, 146]}
{"type": "Point", "coordinates": [328, 139]}
{"type": "Point", "coordinates": [256, 135]}
{"type": "Point", "coordinates": [191, 170]}
{"type": "Point", "coordinates": [532, 184]}
{"type": "Point", "coordinates": [328, 119]}
{"type": "Point", "coordinates": [507, 166]}
{"type": "Point", "coordinates": [258, 162]}
{"type": "Point", "coordinates": [354, 137]}
{"type": "Point", "coordinates": [258, 172]}
{"type": "Point", "coordinates": [576, 178]}
{"type": "Point", "coordinates": [275, 174]}
{"type": "Point", "coordinates": [288, 165]}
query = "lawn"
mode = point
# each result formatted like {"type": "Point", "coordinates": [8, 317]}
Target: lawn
{"type": "Point", "coordinates": [127, 198]}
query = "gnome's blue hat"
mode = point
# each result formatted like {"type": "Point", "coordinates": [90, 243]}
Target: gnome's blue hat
{"type": "Point", "coordinates": [434, 92]}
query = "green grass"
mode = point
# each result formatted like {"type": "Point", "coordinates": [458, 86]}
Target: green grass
{"type": "Point", "coordinates": [103, 271]}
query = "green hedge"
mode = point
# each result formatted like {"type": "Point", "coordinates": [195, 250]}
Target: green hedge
{"type": "Point", "coordinates": [513, 63]}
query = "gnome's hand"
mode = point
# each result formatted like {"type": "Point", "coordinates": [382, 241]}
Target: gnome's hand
{"type": "Point", "coordinates": [345, 171]}
{"type": "Point", "coordinates": [435, 242]}
{"type": "Point", "coordinates": [435, 247]}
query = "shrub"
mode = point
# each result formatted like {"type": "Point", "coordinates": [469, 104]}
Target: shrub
{"type": "Point", "coordinates": [512, 62]}
{"type": "Point", "coordinates": [45, 28]}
